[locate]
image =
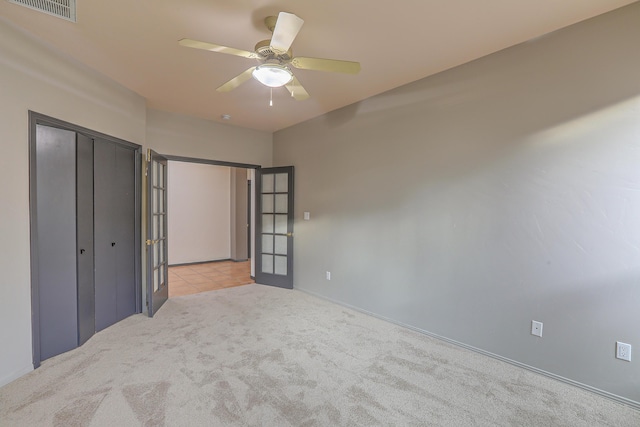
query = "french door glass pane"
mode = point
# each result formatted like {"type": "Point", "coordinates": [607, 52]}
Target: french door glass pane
{"type": "Point", "coordinates": [280, 245]}
{"type": "Point", "coordinates": [155, 227]}
{"type": "Point", "coordinates": [267, 223]}
{"type": "Point", "coordinates": [282, 183]}
{"type": "Point", "coordinates": [267, 203]}
{"type": "Point", "coordinates": [267, 264]}
{"type": "Point", "coordinates": [267, 183]}
{"type": "Point", "coordinates": [154, 202]}
{"type": "Point", "coordinates": [281, 224]}
{"type": "Point", "coordinates": [155, 254]}
{"type": "Point", "coordinates": [281, 265]}
{"type": "Point", "coordinates": [267, 243]}
{"type": "Point", "coordinates": [281, 203]}
{"type": "Point", "coordinates": [154, 173]}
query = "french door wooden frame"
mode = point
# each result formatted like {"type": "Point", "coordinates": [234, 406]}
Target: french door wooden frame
{"type": "Point", "coordinates": [274, 226]}
{"type": "Point", "coordinates": [199, 161]}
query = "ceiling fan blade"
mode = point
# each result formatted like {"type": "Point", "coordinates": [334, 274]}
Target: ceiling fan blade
{"type": "Point", "coordinates": [286, 29]}
{"type": "Point", "coordinates": [217, 48]}
{"type": "Point", "coordinates": [333, 65]}
{"type": "Point", "coordinates": [297, 91]}
{"type": "Point", "coordinates": [236, 81]}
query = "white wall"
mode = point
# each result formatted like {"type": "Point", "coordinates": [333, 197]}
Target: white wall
{"type": "Point", "coordinates": [199, 212]}
{"type": "Point", "coordinates": [471, 202]}
{"type": "Point", "coordinates": [33, 78]}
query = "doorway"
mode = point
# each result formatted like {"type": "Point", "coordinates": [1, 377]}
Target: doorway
{"type": "Point", "coordinates": [210, 225]}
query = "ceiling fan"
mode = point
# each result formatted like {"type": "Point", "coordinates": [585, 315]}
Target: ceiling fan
{"type": "Point", "coordinates": [275, 56]}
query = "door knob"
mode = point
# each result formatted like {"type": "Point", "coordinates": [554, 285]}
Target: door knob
{"type": "Point", "coordinates": [81, 251]}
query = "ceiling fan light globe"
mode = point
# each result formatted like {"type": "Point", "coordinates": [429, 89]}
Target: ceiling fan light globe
{"type": "Point", "coordinates": [272, 75]}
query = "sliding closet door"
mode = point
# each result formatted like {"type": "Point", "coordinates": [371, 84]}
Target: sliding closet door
{"type": "Point", "coordinates": [85, 234]}
{"type": "Point", "coordinates": [124, 232]}
{"type": "Point", "coordinates": [104, 240]}
{"type": "Point", "coordinates": [84, 226]}
{"type": "Point", "coordinates": [56, 240]}
{"type": "Point", "coordinates": [114, 201]}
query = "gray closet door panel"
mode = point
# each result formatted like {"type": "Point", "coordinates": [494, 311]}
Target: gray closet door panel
{"type": "Point", "coordinates": [56, 246]}
{"type": "Point", "coordinates": [84, 188]}
{"type": "Point", "coordinates": [124, 230]}
{"type": "Point", "coordinates": [104, 241]}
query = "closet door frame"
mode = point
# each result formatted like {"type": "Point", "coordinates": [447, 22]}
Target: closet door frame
{"type": "Point", "coordinates": [41, 119]}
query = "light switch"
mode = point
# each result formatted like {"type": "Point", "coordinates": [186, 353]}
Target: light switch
{"type": "Point", "coordinates": [307, 215]}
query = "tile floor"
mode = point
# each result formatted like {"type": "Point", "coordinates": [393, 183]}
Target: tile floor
{"type": "Point", "coordinates": [194, 278]}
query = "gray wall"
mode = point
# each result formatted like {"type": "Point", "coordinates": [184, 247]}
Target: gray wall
{"type": "Point", "coordinates": [469, 203]}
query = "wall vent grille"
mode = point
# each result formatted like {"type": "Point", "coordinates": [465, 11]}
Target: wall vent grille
{"type": "Point", "coordinates": [65, 9]}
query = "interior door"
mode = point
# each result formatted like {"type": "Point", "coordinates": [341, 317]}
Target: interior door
{"type": "Point", "coordinates": [274, 237]}
{"type": "Point", "coordinates": [157, 267]}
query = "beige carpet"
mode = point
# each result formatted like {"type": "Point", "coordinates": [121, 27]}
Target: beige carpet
{"type": "Point", "coordinates": [261, 356]}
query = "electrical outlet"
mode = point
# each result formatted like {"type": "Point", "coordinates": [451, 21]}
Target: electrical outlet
{"type": "Point", "coordinates": [536, 328]}
{"type": "Point", "coordinates": [623, 351]}
{"type": "Point", "coordinates": [328, 275]}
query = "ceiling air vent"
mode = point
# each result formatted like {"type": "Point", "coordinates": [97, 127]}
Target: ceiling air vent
{"type": "Point", "coordinates": [65, 9]}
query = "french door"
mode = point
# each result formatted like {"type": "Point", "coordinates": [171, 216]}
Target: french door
{"type": "Point", "coordinates": [274, 237]}
{"type": "Point", "coordinates": [157, 267]}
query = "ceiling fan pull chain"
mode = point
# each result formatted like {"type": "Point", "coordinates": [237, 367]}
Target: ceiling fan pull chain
{"type": "Point", "coordinates": [271, 98]}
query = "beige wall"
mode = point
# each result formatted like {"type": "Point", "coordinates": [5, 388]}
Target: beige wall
{"type": "Point", "coordinates": [31, 78]}
{"type": "Point", "coordinates": [178, 135]}
{"type": "Point", "coordinates": [505, 190]}
{"type": "Point", "coordinates": [34, 77]}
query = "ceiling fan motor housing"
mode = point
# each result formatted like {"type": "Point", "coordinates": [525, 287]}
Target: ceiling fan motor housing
{"type": "Point", "coordinates": [263, 48]}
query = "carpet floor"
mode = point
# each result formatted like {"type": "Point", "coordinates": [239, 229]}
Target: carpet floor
{"type": "Point", "coordinates": [261, 356]}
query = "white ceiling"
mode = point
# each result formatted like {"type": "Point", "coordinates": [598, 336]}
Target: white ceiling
{"type": "Point", "coordinates": [134, 42]}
